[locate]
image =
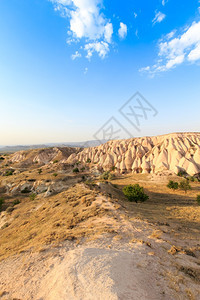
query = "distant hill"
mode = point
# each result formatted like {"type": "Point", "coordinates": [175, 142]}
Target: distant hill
{"type": "Point", "coordinates": [15, 148]}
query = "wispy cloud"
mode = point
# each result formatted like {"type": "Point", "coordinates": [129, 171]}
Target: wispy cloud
{"type": "Point", "coordinates": [76, 55]}
{"type": "Point", "coordinates": [85, 71]}
{"type": "Point", "coordinates": [173, 51]}
{"type": "Point", "coordinates": [164, 2]}
{"type": "Point", "coordinates": [159, 17]}
{"type": "Point", "coordinates": [101, 48]}
{"type": "Point", "coordinates": [122, 30]}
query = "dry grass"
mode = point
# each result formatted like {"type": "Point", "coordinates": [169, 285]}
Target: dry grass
{"type": "Point", "coordinates": [67, 216]}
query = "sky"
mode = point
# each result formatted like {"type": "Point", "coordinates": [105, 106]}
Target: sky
{"type": "Point", "coordinates": [71, 70]}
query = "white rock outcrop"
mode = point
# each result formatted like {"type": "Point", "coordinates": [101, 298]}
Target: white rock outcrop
{"type": "Point", "coordinates": [173, 152]}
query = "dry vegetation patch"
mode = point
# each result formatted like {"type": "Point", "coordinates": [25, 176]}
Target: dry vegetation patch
{"type": "Point", "coordinates": [70, 215]}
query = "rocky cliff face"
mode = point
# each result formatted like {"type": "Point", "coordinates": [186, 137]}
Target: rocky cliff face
{"type": "Point", "coordinates": [173, 152]}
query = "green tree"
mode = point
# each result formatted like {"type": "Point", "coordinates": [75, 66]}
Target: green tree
{"type": "Point", "coordinates": [198, 199]}
{"type": "Point", "coordinates": [172, 185]}
{"type": "Point", "coordinates": [76, 170]}
{"type": "Point", "coordinates": [185, 186]}
{"type": "Point", "coordinates": [135, 193]}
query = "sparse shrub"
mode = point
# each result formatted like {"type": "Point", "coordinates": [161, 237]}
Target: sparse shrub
{"type": "Point", "coordinates": [185, 186]}
{"type": "Point", "coordinates": [55, 174]}
{"type": "Point", "coordinates": [83, 177]}
{"type": "Point", "coordinates": [2, 158]}
{"type": "Point", "coordinates": [76, 170]}
{"type": "Point", "coordinates": [39, 171]}
{"type": "Point", "coordinates": [172, 185]}
{"type": "Point", "coordinates": [191, 178]}
{"type": "Point", "coordinates": [113, 168]}
{"type": "Point", "coordinates": [90, 183]}
{"type": "Point", "coordinates": [15, 202]}
{"type": "Point", "coordinates": [1, 203]}
{"type": "Point", "coordinates": [9, 173]}
{"type": "Point", "coordinates": [111, 176]}
{"type": "Point", "coordinates": [83, 169]}
{"type": "Point", "coordinates": [105, 175]}
{"type": "Point", "coordinates": [182, 173]}
{"type": "Point", "coordinates": [9, 209]}
{"type": "Point", "coordinates": [32, 196]}
{"type": "Point", "coordinates": [26, 190]}
{"type": "Point", "coordinates": [88, 161]}
{"type": "Point", "coordinates": [55, 161]}
{"type": "Point", "coordinates": [198, 199]}
{"type": "Point", "coordinates": [78, 163]}
{"type": "Point", "coordinates": [5, 225]}
{"type": "Point", "coordinates": [135, 193]}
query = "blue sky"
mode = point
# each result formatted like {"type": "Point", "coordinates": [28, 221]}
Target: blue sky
{"type": "Point", "coordinates": [67, 66]}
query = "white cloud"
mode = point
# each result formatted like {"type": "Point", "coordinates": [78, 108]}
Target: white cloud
{"type": "Point", "coordinates": [170, 35]}
{"type": "Point", "coordinates": [135, 15]}
{"type": "Point", "coordinates": [164, 2]}
{"type": "Point", "coordinates": [102, 48]}
{"type": "Point", "coordinates": [122, 30]}
{"type": "Point", "coordinates": [86, 70]}
{"type": "Point", "coordinates": [76, 55]}
{"type": "Point", "coordinates": [108, 32]}
{"type": "Point", "coordinates": [159, 17]}
{"type": "Point", "coordinates": [87, 23]}
{"type": "Point", "coordinates": [194, 55]}
{"type": "Point", "coordinates": [174, 51]}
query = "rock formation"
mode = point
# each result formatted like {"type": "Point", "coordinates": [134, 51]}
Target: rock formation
{"type": "Point", "coordinates": [172, 152]}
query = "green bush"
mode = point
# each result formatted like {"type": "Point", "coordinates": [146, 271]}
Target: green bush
{"type": "Point", "coordinates": [135, 193]}
{"type": "Point", "coordinates": [1, 203]}
{"type": "Point", "coordinates": [113, 168]}
{"type": "Point", "coordinates": [9, 173]}
{"type": "Point", "coordinates": [15, 202]}
{"type": "Point", "coordinates": [88, 160]}
{"type": "Point", "coordinates": [172, 185]}
{"type": "Point", "coordinates": [198, 199]}
{"type": "Point", "coordinates": [105, 175]}
{"type": "Point", "coordinates": [191, 178]}
{"type": "Point", "coordinates": [55, 174]}
{"type": "Point", "coordinates": [76, 170]}
{"type": "Point", "coordinates": [182, 173]}
{"type": "Point", "coordinates": [55, 161]}
{"type": "Point", "coordinates": [83, 169]}
{"type": "Point", "coordinates": [32, 196]}
{"type": "Point", "coordinates": [185, 186]}
{"type": "Point", "coordinates": [39, 171]}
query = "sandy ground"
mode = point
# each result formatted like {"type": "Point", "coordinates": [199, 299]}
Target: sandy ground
{"type": "Point", "coordinates": [96, 270]}
{"type": "Point", "coordinates": [110, 268]}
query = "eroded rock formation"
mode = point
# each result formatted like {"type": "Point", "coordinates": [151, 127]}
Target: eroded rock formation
{"type": "Point", "coordinates": [173, 152]}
